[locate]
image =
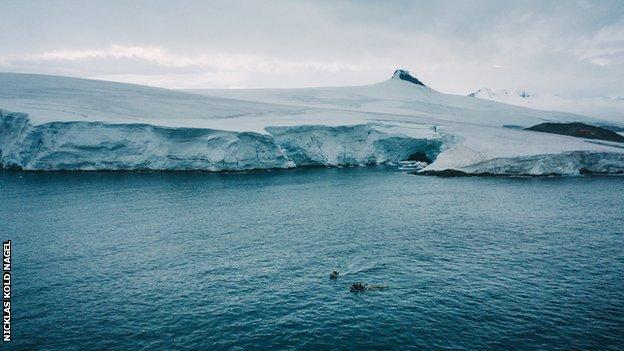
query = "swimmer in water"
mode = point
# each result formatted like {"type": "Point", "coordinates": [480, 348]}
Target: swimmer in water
{"type": "Point", "coordinates": [359, 287]}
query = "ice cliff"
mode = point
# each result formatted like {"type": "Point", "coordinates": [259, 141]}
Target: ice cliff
{"type": "Point", "coordinates": [100, 146]}
{"type": "Point", "coordinates": [350, 145]}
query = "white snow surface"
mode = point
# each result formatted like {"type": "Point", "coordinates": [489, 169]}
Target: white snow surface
{"type": "Point", "coordinates": [60, 123]}
{"type": "Point", "coordinates": [607, 108]}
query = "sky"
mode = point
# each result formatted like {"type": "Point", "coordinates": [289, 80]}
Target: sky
{"type": "Point", "coordinates": [570, 48]}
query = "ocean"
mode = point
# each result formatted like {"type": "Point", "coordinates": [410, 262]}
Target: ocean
{"type": "Point", "coordinates": [241, 261]}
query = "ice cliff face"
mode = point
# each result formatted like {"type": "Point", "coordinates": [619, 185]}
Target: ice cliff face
{"type": "Point", "coordinates": [567, 163]}
{"type": "Point", "coordinates": [99, 146]}
{"type": "Point", "coordinates": [349, 145]}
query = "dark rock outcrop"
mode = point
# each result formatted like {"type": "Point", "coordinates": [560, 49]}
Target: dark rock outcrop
{"type": "Point", "coordinates": [612, 127]}
{"type": "Point", "coordinates": [579, 130]}
{"type": "Point", "coordinates": [406, 76]}
{"type": "Point", "coordinates": [445, 173]}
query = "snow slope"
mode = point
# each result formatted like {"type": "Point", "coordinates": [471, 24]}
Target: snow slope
{"type": "Point", "coordinates": [401, 98]}
{"type": "Point", "coordinates": [609, 108]}
{"type": "Point", "coordinates": [60, 123]}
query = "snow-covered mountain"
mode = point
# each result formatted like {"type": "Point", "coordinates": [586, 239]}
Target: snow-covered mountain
{"type": "Point", "coordinates": [522, 98]}
{"type": "Point", "coordinates": [610, 108]}
{"type": "Point", "coordinates": [60, 123]}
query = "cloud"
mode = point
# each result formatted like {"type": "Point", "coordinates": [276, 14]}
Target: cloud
{"type": "Point", "coordinates": [454, 46]}
{"type": "Point", "coordinates": [147, 53]}
{"type": "Point", "coordinates": [162, 57]}
{"type": "Point", "coordinates": [600, 61]}
{"type": "Point", "coordinates": [603, 47]}
{"type": "Point", "coordinates": [150, 62]}
{"type": "Point", "coordinates": [155, 65]}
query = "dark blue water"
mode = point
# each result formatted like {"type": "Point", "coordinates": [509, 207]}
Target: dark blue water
{"type": "Point", "coordinates": [196, 261]}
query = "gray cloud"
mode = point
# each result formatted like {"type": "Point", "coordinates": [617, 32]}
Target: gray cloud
{"type": "Point", "coordinates": [573, 48]}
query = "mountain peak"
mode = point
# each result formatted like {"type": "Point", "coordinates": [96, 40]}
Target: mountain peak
{"type": "Point", "coordinates": [503, 95]}
{"type": "Point", "coordinates": [483, 93]}
{"type": "Point", "coordinates": [406, 76]}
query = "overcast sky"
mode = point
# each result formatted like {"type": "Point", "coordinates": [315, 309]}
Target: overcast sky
{"type": "Point", "coordinates": [573, 48]}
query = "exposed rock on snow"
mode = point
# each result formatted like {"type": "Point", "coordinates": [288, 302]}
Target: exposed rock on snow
{"type": "Point", "coordinates": [484, 93]}
{"type": "Point", "coordinates": [521, 98]}
{"type": "Point", "coordinates": [406, 76]}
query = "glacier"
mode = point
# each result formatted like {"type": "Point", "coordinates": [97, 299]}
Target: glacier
{"type": "Point", "coordinates": [351, 145]}
{"type": "Point", "coordinates": [100, 146]}
{"type": "Point", "coordinates": [61, 123]}
{"type": "Point", "coordinates": [565, 163]}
